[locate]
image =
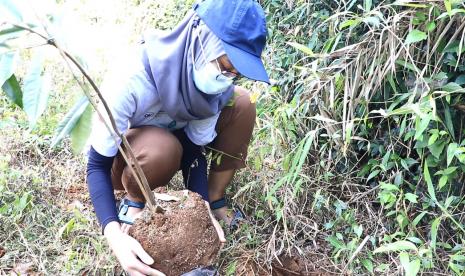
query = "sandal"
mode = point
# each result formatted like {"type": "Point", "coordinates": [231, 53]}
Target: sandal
{"type": "Point", "coordinates": [124, 207]}
{"type": "Point", "coordinates": [238, 214]}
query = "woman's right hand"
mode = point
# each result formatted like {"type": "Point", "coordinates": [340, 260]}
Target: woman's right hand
{"type": "Point", "coordinates": [129, 252]}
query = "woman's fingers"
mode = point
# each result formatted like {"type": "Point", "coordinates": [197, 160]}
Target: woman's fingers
{"type": "Point", "coordinates": [142, 269]}
{"type": "Point", "coordinates": [216, 224]}
{"type": "Point", "coordinates": [125, 228]}
{"type": "Point", "coordinates": [219, 230]}
{"type": "Point", "coordinates": [140, 252]}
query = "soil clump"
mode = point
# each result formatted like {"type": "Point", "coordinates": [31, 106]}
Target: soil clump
{"type": "Point", "coordinates": [181, 239]}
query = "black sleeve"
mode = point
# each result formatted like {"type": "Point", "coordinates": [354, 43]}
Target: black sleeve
{"type": "Point", "coordinates": [100, 187]}
{"type": "Point", "coordinates": [194, 166]}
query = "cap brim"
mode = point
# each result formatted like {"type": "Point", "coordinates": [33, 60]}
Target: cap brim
{"type": "Point", "coordinates": [248, 65]}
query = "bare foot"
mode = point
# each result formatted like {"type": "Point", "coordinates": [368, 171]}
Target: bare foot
{"type": "Point", "coordinates": [223, 214]}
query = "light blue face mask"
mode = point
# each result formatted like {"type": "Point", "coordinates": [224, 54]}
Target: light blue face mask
{"type": "Point", "coordinates": [209, 78]}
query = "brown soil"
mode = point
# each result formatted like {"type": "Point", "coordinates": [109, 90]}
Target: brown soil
{"type": "Point", "coordinates": [181, 239]}
{"type": "Point", "coordinates": [2, 251]}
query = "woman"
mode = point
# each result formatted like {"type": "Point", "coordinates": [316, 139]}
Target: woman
{"type": "Point", "coordinates": [175, 98]}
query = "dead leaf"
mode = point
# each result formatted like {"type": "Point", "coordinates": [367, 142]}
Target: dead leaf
{"type": "Point", "coordinates": [166, 197]}
{"type": "Point", "coordinates": [2, 251]}
{"type": "Point", "coordinates": [23, 269]}
{"type": "Point", "coordinates": [75, 204]}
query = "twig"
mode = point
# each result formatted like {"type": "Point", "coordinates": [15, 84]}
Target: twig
{"type": "Point", "coordinates": [359, 248]}
{"type": "Point", "coordinates": [26, 244]}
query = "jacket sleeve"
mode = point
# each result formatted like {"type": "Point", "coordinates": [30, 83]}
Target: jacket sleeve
{"type": "Point", "coordinates": [100, 187]}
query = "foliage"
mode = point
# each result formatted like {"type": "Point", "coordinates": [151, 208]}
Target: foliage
{"type": "Point", "coordinates": [359, 146]}
{"type": "Point", "coordinates": [31, 90]}
{"type": "Point", "coordinates": [367, 111]}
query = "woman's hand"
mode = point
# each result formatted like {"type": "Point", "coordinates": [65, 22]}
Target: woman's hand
{"type": "Point", "coordinates": [217, 225]}
{"type": "Point", "coordinates": [129, 252]}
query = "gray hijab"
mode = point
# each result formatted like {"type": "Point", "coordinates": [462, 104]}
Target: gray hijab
{"type": "Point", "coordinates": [168, 59]}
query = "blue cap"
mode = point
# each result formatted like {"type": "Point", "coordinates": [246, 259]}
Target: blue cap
{"type": "Point", "coordinates": [241, 26]}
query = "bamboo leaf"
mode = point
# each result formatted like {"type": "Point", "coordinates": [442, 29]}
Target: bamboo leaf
{"type": "Point", "coordinates": [367, 5]}
{"type": "Point", "coordinates": [429, 182]}
{"type": "Point", "coordinates": [421, 126]}
{"type": "Point", "coordinates": [396, 246]}
{"type": "Point", "coordinates": [301, 48]}
{"type": "Point", "coordinates": [443, 181]}
{"type": "Point", "coordinates": [434, 232]}
{"type": "Point", "coordinates": [451, 149]}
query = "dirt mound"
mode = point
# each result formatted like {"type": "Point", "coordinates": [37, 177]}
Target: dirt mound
{"type": "Point", "coordinates": [181, 239]}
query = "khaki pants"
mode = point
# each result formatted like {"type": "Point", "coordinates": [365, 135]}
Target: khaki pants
{"type": "Point", "coordinates": [160, 152]}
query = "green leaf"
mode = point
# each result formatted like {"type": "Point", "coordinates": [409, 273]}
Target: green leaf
{"type": "Point", "coordinates": [422, 125]}
{"type": "Point", "coordinates": [69, 121]}
{"type": "Point", "coordinates": [82, 130]}
{"type": "Point", "coordinates": [437, 148]}
{"type": "Point", "coordinates": [8, 63]}
{"type": "Point", "coordinates": [302, 48]}
{"type": "Point", "coordinates": [434, 232]}
{"type": "Point", "coordinates": [35, 91]}
{"type": "Point", "coordinates": [432, 139]}
{"type": "Point", "coordinates": [367, 4]}
{"type": "Point", "coordinates": [396, 246]}
{"type": "Point", "coordinates": [373, 174]}
{"type": "Point", "coordinates": [66, 229]}
{"type": "Point", "coordinates": [443, 181]}
{"type": "Point", "coordinates": [411, 197]}
{"type": "Point", "coordinates": [430, 26]}
{"type": "Point", "coordinates": [418, 218]}
{"type": "Point", "coordinates": [451, 13]}
{"type": "Point", "coordinates": [415, 36]}
{"type": "Point", "coordinates": [448, 120]}
{"type": "Point", "coordinates": [404, 261]}
{"type": "Point", "coordinates": [449, 170]}
{"type": "Point", "coordinates": [413, 268]}
{"type": "Point", "coordinates": [448, 5]}
{"type": "Point", "coordinates": [349, 23]}
{"type": "Point", "coordinates": [429, 182]}
{"type": "Point", "coordinates": [411, 67]}
{"type": "Point", "coordinates": [368, 264]}
{"type": "Point", "coordinates": [13, 91]}
{"type": "Point", "coordinates": [451, 149]}
{"type": "Point", "coordinates": [335, 242]}
{"type": "Point", "coordinates": [231, 269]}
{"type": "Point", "coordinates": [389, 187]}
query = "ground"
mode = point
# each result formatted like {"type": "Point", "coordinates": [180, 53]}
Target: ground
{"type": "Point", "coordinates": [49, 228]}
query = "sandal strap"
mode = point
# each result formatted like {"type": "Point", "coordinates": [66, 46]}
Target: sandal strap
{"type": "Point", "coordinates": [217, 204]}
{"type": "Point", "coordinates": [124, 207]}
{"type": "Point", "coordinates": [134, 204]}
